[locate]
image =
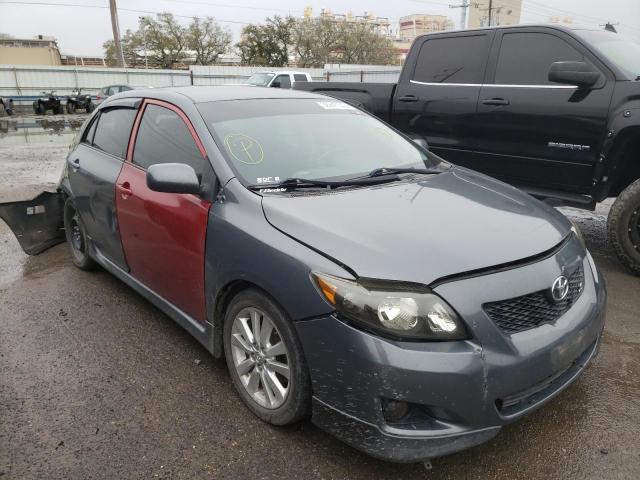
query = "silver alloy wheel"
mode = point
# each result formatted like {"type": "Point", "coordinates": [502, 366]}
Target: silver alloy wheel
{"type": "Point", "coordinates": [260, 358]}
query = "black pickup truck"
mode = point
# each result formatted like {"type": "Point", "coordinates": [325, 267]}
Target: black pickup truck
{"type": "Point", "coordinates": [552, 110]}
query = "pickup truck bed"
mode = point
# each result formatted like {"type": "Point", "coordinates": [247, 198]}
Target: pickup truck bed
{"type": "Point", "coordinates": [376, 98]}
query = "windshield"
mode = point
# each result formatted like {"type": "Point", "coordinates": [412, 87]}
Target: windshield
{"type": "Point", "coordinates": [621, 50]}
{"type": "Point", "coordinates": [267, 141]}
{"type": "Point", "coordinates": [260, 79]}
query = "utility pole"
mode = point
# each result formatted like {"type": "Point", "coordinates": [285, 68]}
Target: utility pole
{"type": "Point", "coordinates": [116, 33]}
{"type": "Point", "coordinates": [463, 12]}
{"type": "Point", "coordinates": [144, 39]}
{"type": "Point", "coordinates": [490, 10]}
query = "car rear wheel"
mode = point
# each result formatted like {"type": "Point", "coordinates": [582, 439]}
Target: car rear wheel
{"type": "Point", "coordinates": [265, 359]}
{"type": "Point", "coordinates": [623, 227]}
{"type": "Point", "coordinates": [76, 236]}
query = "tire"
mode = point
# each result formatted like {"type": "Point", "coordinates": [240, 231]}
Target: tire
{"type": "Point", "coordinates": [284, 346]}
{"type": "Point", "coordinates": [71, 108]}
{"type": "Point", "coordinates": [90, 107]}
{"type": "Point", "coordinates": [623, 227]}
{"type": "Point", "coordinates": [39, 109]}
{"type": "Point", "coordinates": [3, 110]}
{"type": "Point", "coordinates": [76, 236]}
{"type": "Point", "coordinates": [58, 109]}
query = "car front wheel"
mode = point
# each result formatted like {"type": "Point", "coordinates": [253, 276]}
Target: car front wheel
{"type": "Point", "coordinates": [265, 359]}
{"type": "Point", "coordinates": [623, 226]}
{"type": "Point", "coordinates": [76, 236]}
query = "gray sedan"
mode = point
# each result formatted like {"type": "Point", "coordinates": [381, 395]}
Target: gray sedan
{"type": "Point", "coordinates": [410, 307]}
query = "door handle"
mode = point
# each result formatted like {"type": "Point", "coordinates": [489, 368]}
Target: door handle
{"type": "Point", "coordinates": [125, 190]}
{"type": "Point", "coordinates": [75, 164]}
{"type": "Point", "coordinates": [495, 101]}
{"type": "Point", "coordinates": [408, 98]}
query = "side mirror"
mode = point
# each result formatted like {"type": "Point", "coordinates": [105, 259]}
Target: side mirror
{"type": "Point", "coordinates": [421, 142]}
{"type": "Point", "coordinates": [276, 84]}
{"type": "Point", "coordinates": [173, 178]}
{"type": "Point", "coordinates": [573, 73]}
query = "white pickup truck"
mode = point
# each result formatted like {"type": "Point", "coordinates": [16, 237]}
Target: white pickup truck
{"type": "Point", "coordinates": [279, 79]}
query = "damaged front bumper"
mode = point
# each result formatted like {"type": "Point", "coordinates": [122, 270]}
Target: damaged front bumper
{"type": "Point", "coordinates": [37, 223]}
{"type": "Point", "coordinates": [459, 393]}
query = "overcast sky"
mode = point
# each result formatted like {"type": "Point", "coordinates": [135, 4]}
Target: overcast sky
{"type": "Point", "coordinates": [81, 30]}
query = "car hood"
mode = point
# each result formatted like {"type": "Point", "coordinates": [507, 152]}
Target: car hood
{"type": "Point", "coordinates": [420, 230]}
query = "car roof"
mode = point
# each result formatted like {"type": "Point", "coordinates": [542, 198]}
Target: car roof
{"type": "Point", "coordinates": [556, 26]}
{"type": "Point", "coordinates": [202, 94]}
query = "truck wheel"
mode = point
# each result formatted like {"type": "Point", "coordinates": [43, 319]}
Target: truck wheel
{"type": "Point", "coordinates": [76, 236]}
{"type": "Point", "coordinates": [623, 227]}
{"type": "Point", "coordinates": [265, 359]}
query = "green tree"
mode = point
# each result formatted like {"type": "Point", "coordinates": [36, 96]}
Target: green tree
{"type": "Point", "coordinates": [322, 40]}
{"type": "Point", "coordinates": [267, 44]}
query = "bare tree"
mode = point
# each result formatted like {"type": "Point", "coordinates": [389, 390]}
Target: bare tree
{"type": "Point", "coordinates": [164, 42]}
{"type": "Point", "coordinates": [207, 40]}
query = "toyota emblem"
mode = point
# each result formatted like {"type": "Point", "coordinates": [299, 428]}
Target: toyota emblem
{"type": "Point", "coordinates": [560, 288]}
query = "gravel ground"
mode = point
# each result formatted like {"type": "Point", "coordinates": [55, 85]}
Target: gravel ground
{"type": "Point", "coordinates": [97, 383]}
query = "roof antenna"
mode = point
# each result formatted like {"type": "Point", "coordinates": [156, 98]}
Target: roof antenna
{"type": "Point", "coordinates": [610, 27]}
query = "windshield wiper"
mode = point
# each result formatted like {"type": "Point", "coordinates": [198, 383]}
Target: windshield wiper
{"type": "Point", "coordinates": [383, 171]}
{"type": "Point", "coordinates": [297, 183]}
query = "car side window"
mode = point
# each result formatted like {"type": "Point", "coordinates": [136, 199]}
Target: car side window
{"type": "Point", "coordinates": [452, 60]}
{"type": "Point", "coordinates": [87, 137]}
{"type": "Point", "coordinates": [285, 81]}
{"type": "Point", "coordinates": [163, 137]}
{"type": "Point", "coordinates": [113, 130]}
{"type": "Point", "coordinates": [298, 77]}
{"type": "Point", "coordinates": [525, 58]}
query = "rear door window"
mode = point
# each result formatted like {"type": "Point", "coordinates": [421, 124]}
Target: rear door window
{"type": "Point", "coordinates": [298, 77]}
{"type": "Point", "coordinates": [88, 133]}
{"type": "Point", "coordinates": [163, 137]}
{"type": "Point", "coordinates": [452, 60]}
{"type": "Point", "coordinates": [525, 58]}
{"type": "Point", "coordinates": [113, 130]}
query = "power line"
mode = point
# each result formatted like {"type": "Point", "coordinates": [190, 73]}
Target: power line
{"type": "Point", "coordinates": [131, 10]}
{"type": "Point", "coordinates": [226, 5]}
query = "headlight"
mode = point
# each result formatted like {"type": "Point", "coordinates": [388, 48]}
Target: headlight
{"type": "Point", "coordinates": [401, 314]}
{"type": "Point", "coordinates": [578, 233]}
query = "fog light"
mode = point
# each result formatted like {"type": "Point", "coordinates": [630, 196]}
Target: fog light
{"type": "Point", "coordinates": [395, 410]}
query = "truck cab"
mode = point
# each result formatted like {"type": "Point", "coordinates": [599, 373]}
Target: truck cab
{"type": "Point", "coordinates": [278, 79]}
{"type": "Point", "coordinates": [549, 109]}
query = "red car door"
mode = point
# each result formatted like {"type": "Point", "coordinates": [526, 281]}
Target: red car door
{"type": "Point", "coordinates": [163, 234]}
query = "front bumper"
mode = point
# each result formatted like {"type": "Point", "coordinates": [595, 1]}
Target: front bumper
{"type": "Point", "coordinates": [465, 391]}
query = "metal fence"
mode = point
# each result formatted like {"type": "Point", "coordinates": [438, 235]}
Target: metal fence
{"type": "Point", "coordinates": [25, 83]}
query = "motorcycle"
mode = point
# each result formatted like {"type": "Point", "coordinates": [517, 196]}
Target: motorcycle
{"type": "Point", "coordinates": [78, 100]}
{"type": "Point", "coordinates": [6, 106]}
{"type": "Point", "coordinates": [49, 101]}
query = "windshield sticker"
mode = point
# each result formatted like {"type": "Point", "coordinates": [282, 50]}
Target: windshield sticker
{"type": "Point", "coordinates": [267, 179]}
{"type": "Point", "coordinates": [272, 190]}
{"type": "Point", "coordinates": [244, 149]}
{"type": "Point", "coordinates": [335, 106]}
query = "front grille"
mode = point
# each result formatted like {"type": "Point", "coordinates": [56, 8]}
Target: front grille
{"type": "Point", "coordinates": [529, 311]}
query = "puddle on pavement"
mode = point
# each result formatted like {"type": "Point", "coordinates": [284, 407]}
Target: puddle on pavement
{"type": "Point", "coordinates": [46, 129]}
{"type": "Point", "coordinates": [15, 264]}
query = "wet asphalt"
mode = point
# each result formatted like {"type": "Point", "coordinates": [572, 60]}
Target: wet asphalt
{"type": "Point", "coordinates": [97, 383]}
